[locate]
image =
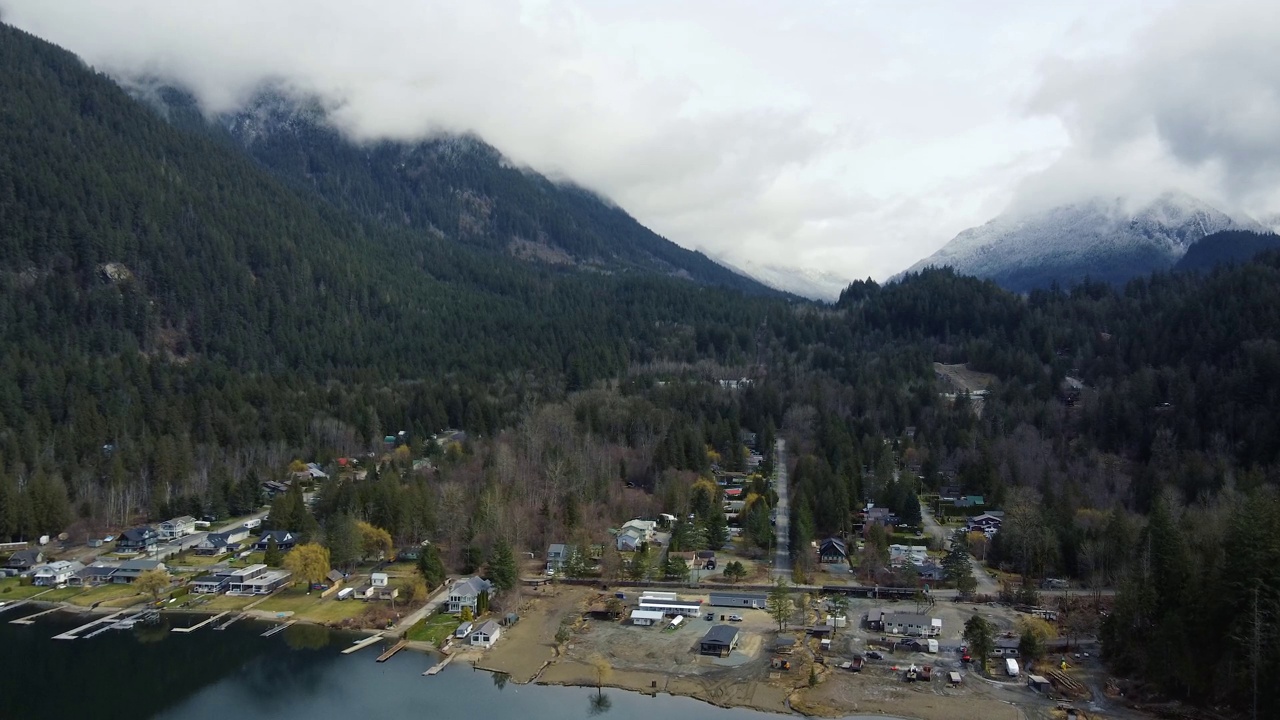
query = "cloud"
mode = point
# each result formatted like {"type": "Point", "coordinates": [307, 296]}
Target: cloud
{"type": "Point", "coordinates": [1192, 103]}
{"type": "Point", "coordinates": [837, 138]}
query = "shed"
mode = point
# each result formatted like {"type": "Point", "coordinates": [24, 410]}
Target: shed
{"type": "Point", "coordinates": [646, 617]}
{"type": "Point", "coordinates": [1039, 683]}
{"type": "Point", "coordinates": [953, 677]}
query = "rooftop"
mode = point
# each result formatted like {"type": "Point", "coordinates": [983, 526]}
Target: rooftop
{"type": "Point", "coordinates": [721, 635]}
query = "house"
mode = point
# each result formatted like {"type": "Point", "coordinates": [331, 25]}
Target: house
{"type": "Point", "coordinates": [875, 619]}
{"type": "Point", "coordinates": [238, 579]}
{"type": "Point", "coordinates": [220, 543]}
{"type": "Point", "coordinates": [177, 527]}
{"type": "Point", "coordinates": [129, 570]}
{"type": "Point", "coordinates": [463, 631]}
{"type": "Point", "coordinates": [56, 573]}
{"type": "Point", "coordinates": [266, 583]}
{"type": "Point", "coordinates": [285, 540]}
{"type": "Point", "coordinates": [630, 539]}
{"type": "Point", "coordinates": [557, 555]}
{"type": "Point", "coordinates": [719, 641]}
{"type": "Point", "coordinates": [741, 600]}
{"type": "Point", "coordinates": [25, 559]}
{"type": "Point", "coordinates": [970, 501]}
{"type": "Point", "coordinates": [466, 593]}
{"type": "Point", "coordinates": [986, 520]}
{"type": "Point", "coordinates": [314, 472]}
{"type": "Point", "coordinates": [833, 550]}
{"type": "Point", "coordinates": [378, 588]}
{"type": "Point", "coordinates": [92, 576]}
{"type": "Point", "coordinates": [138, 540]}
{"type": "Point", "coordinates": [210, 584]}
{"type": "Point", "coordinates": [647, 528]}
{"type": "Point", "coordinates": [931, 572]}
{"type": "Point", "coordinates": [910, 624]}
{"type": "Point", "coordinates": [486, 635]}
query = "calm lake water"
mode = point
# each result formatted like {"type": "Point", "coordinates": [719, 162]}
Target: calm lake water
{"type": "Point", "coordinates": [234, 674]}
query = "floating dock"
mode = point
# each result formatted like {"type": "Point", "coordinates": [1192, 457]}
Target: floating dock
{"type": "Point", "coordinates": [393, 650]}
{"type": "Point", "coordinates": [278, 628]}
{"type": "Point", "coordinates": [18, 604]}
{"type": "Point", "coordinates": [30, 619]}
{"type": "Point", "coordinates": [363, 644]}
{"type": "Point", "coordinates": [434, 669]}
{"type": "Point", "coordinates": [202, 623]}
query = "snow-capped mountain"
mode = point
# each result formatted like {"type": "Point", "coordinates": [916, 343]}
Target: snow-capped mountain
{"type": "Point", "coordinates": [805, 282]}
{"type": "Point", "coordinates": [1111, 240]}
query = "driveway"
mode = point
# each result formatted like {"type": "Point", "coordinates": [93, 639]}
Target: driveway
{"type": "Point", "coordinates": [986, 585]}
{"type": "Point", "coordinates": [782, 525]}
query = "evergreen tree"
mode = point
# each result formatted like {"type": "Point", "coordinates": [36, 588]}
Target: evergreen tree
{"type": "Point", "coordinates": [502, 566]}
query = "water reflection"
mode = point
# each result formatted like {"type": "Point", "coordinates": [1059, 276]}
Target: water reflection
{"type": "Point", "coordinates": [500, 680]}
{"type": "Point", "coordinates": [599, 704]}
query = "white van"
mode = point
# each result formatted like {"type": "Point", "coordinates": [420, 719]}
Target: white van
{"type": "Point", "coordinates": [1011, 667]}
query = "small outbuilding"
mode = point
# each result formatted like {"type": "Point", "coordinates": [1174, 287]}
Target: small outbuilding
{"type": "Point", "coordinates": [646, 617]}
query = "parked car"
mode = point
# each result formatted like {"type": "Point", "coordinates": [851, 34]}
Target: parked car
{"type": "Point", "coordinates": [735, 618]}
{"type": "Point", "coordinates": [874, 655]}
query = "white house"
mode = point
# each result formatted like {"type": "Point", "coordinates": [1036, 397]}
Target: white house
{"type": "Point", "coordinates": [629, 540]}
{"type": "Point", "coordinates": [646, 617]}
{"type": "Point", "coordinates": [465, 593]}
{"type": "Point", "coordinates": [911, 624]}
{"type": "Point", "coordinates": [177, 527]}
{"type": "Point", "coordinates": [55, 573]}
{"type": "Point", "coordinates": [647, 528]}
{"type": "Point", "coordinates": [486, 635]}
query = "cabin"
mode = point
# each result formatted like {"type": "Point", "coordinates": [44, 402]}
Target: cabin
{"type": "Point", "coordinates": [486, 635]}
{"type": "Point", "coordinates": [719, 641]}
{"type": "Point", "coordinates": [833, 550]}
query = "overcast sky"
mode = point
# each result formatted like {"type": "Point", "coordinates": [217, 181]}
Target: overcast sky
{"type": "Point", "coordinates": [846, 138]}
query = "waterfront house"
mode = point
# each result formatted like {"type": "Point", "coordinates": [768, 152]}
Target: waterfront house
{"type": "Point", "coordinates": [138, 540]}
{"type": "Point", "coordinates": [285, 540]}
{"type": "Point", "coordinates": [56, 573]}
{"type": "Point", "coordinates": [466, 593]}
{"type": "Point", "coordinates": [486, 635]}
{"type": "Point", "coordinates": [220, 543]}
{"type": "Point", "coordinates": [25, 559]}
{"type": "Point", "coordinates": [719, 641]}
{"type": "Point", "coordinates": [96, 574]}
{"type": "Point", "coordinates": [177, 527]}
{"type": "Point", "coordinates": [129, 570]}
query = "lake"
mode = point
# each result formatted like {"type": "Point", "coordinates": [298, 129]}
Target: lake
{"type": "Point", "coordinates": [151, 672]}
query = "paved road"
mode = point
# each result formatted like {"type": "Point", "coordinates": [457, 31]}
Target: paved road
{"type": "Point", "coordinates": [782, 526]}
{"type": "Point", "coordinates": [986, 585]}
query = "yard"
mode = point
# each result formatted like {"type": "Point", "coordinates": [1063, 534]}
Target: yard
{"type": "Point", "coordinates": [311, 606]}
{"type": "Point", "coordinates": [11, 590]}
{"type": "Point", "coordinates": [61, 594]}
{"type": "Point", "coordinates": [434, 629]}
{"type": "Point", "coordinates": [219, 603]}
{"type": "Point", "coordinates": [107, 595]}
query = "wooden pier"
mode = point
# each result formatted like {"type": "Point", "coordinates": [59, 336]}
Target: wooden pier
{"type": "Point", "coordinates": [278, 628]}
{"type": "Point", "coordinates": [74, 634]}
{"type": "Point", "coordinates": [15, 605]}
{"type": "Point", "coordinates": [434, 669]}
{"type": "Point", "coordinates": [202, 623]}
{"type": "Point", "coordinates": [227, 624]}
{"type": "Point", "coordinates": [363, 644]}
{"type": "Point", "coordinates": [30, 619]}
{"type": "Point", "coordinates": [394, 649]}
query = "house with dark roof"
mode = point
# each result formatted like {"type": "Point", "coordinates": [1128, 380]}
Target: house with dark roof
{"type": "Point", "coordinates": [833, 550]}
{"type": "Point", "coordinates": [742, 600]}
{"type": "Point", "coordinates": [466, 593]}
{"type": "Point", "coordinates": [94, 575]}
{"type": "Point", "coordinates": [719, 641]}
{"type": "Point", "coordinates": [129, 570]}
{"type": "Point", "coordinates": [25, 559]}
{"type": "Point", "coordinates": [138, 540]}
{"type": "Point", "coordinates": [285, 540]}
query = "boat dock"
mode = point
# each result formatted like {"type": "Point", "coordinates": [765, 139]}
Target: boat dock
{"type": "Point", "coordinates": [363, 644]}
{"type": "Point", "coordinates": [30, 619]}
{"type": "Point", "coordinates": [104, 621]}
{"type": "Point", "coordinates": [278, 628]}
{"type": "Point", "coordinates": [202, 623]}
{"type": "Point", "coordinates": [438, 666]}
{"type": "Point", "coordinates": [11, 606]}
{"type": "Point", "coordinates": [394, 649]}
{"type": "Point", "coordinates": [127, 623]}
{"type": "Point", "coordinates": [227, 624]}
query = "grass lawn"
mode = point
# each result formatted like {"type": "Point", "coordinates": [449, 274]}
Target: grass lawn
{"type": "Point", "coordinates": [312, 607]}
{"type": "Point", "coordinates": [194, 560]}
{"type": "Point", "coordinates": [218, 603]}
{"type": "Point", "coordinates": [104, 594]}
{"type": "Point", "coordinates": [434, 629]}
{"type": "Point", "coordinates": [253, 559]}
{"type": "Point", "coordinates": [404, 568]}
{"type": "Point", "coordinates": [61, 594]}
{"type": "Point", "coordinates": [11, 590]}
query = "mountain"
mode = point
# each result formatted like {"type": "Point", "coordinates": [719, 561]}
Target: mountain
{"type": "Point", "coordinates": [1101, 239]}
{"type": "Point", "coordinates": [1228, 246]}
{"type": "Point", "coordinates": [451, 187]}
{"type": "Point", "coordinates": [806, 283]}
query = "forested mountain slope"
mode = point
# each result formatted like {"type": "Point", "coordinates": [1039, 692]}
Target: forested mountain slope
{"type": "Point", "coordinates": [159, 292]}
{"type": "Point", "coordinates": [1228, 246]}
{"type": "Point", "coordinates": [453, 187]}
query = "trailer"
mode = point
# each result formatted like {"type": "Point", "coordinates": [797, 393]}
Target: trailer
{"type": "Point", "coordinates": [932, 647]}
{"type": "Point", "coordinates": [1011, 667]}
{"type": "Point", "coordinates": [346, 593]}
